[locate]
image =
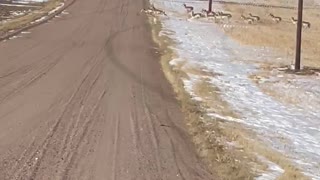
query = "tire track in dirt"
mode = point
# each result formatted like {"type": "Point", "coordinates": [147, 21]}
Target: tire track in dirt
{"type": "Point", "coordinates": [35, 171]}
{"type": "Point", "coordinates": [86, 126]}
{"type": "Point", "coordinates": [138, 129]}
{"type": "Point", "coordinates": [38, 75]}
{"type": "Point", "coordinates": [74, 129]}
{"type": "Point", "coordinates": [133, 122]}
{"type": "Point", "coordinates": [43, 62]}
{"type": "Point", "coordinates": [153, 131]}
{"type": "Point", "coordinates": [115, 147]}
{"type": "Point", "coordinates": [154, 139]}
{"type": "Point", "coordinates": [15, 56]}
{"type": "Point", "coordinates": [169, 122]}
{"type": "Point", "coordinates": [74, 126]}
{"type": "Point", "coordinates": [24, 70]}
{"type": "Point", "coordinates": [37, 155]}
{"type": "Point", "coordinates": [29, 67]}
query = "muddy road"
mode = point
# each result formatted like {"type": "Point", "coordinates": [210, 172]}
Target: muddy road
{"type": "Point", "coordinates": [83, 97]}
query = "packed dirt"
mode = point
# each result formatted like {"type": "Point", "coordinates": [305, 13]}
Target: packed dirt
{"type": "Point", "coordinates": [83, 97]}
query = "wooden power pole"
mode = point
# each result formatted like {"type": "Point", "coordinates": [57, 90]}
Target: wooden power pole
{"type": "Point", "coordinates": [210, 6]}
{"type": "Point", "coordinates": [298, 40]}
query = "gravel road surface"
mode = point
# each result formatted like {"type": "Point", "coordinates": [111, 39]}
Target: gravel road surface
{"type": "Point", "coordinates": [84, 97]}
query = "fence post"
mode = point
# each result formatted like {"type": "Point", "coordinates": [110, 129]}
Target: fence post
{"type": "Point", "coordinates": [298, 40]}
{"type": "Point", "coordinates": [210, 6]}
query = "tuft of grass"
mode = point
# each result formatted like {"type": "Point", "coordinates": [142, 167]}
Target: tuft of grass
{"type": "Point", "coordinates": [212, 98]}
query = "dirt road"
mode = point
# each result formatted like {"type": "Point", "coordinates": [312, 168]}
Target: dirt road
{"type": "Point", "coordinates": [83, 97]}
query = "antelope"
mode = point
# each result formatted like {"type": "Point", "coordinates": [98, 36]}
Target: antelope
{"type": "Point", "coordinates": [225, 14]}
{"type": "Point", "coordinates": [275, 18]}
{"type": "Point", "coordinates": [147, 11]}
{"type": "Point", "coordinates": [188, 8]}
{"type": "Point", "coordinates": [305, 24]}
{"type": "Point", "coordinates": [209, 14]}
{"type": "Point", "coordinates": [196, 15]}
{"type": "Point", "coordinates": [247, 20]}
{"type": "Point", "coordinates": [222, 15]}
{"type": "Point", "coordinates": [157, 11]}
{"type": "Point", "coordinates": [256, 18]}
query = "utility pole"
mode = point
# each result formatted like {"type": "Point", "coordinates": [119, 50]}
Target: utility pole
{"type": "Point", "coordinates": [298, 40]}
{"type": "Point", "coordinates": [210, 6]}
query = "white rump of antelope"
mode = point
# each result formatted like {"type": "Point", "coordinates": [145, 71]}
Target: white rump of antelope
{"type": "Point", "coordinates": [247, 20]}
{"type": "Point", "coordinates": [305, 24]}
{"type": "Point", "coordinates": [208, 14]}
{"type": "Point", "coordinates": [224, 15]}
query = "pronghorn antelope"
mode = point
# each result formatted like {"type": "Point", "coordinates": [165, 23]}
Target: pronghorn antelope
{"type": "Point", "coordinates": [209, 14]}
{"type": "Point", "coordinates": [157, 11]}
{"type": "Point", "coordinates": [221, 15]}
{"type": "Point", "coordinates": [152, 11]}
{"type": "Point", "coordinates": [188, 8]}
{"type": "Point", "coordinates": [276, 19]}
{"type": "Point", "coordinates": [196, 15]}
{"type": "Point", "coordinates": [256, 18]}
{"type": "Point", "coordinates": [247, 20]}
{"type": "Point", "coordinates": [147, 11]}
{"type": "Point", "coordinates": [305, 24]}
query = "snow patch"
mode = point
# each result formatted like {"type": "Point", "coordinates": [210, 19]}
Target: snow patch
{"type": "Point", "coordinates": [273, 172]}
{"type": "Point", "coordinates": [56, 9]}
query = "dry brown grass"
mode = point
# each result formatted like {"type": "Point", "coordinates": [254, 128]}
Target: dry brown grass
{"type": "Point", "coordinates": [212, 98]}
{"type": "Point", "coordinates": [199, 71]}
{"type": "Point", "coordinates": [25, 20]}
{"type": "Point", "coordinates": [266, 87]}
{"type": "Point", "coordinates": [279, 36]}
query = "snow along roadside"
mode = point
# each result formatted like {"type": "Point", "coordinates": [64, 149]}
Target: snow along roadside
{"type": "Point", "coordinates": [200, 44]}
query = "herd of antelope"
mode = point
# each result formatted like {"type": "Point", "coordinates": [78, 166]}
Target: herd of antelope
{"type": "Point", "coordinates": [218, 15]}
{"type": "Point", "coordinates": [152, 10]}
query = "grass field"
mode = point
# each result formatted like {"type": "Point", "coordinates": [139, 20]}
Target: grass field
{"type": "Point", "coordinates": [280, 36]}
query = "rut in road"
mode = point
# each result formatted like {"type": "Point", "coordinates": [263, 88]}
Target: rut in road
{"type": "Point", "coordinates": [83, 97]}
